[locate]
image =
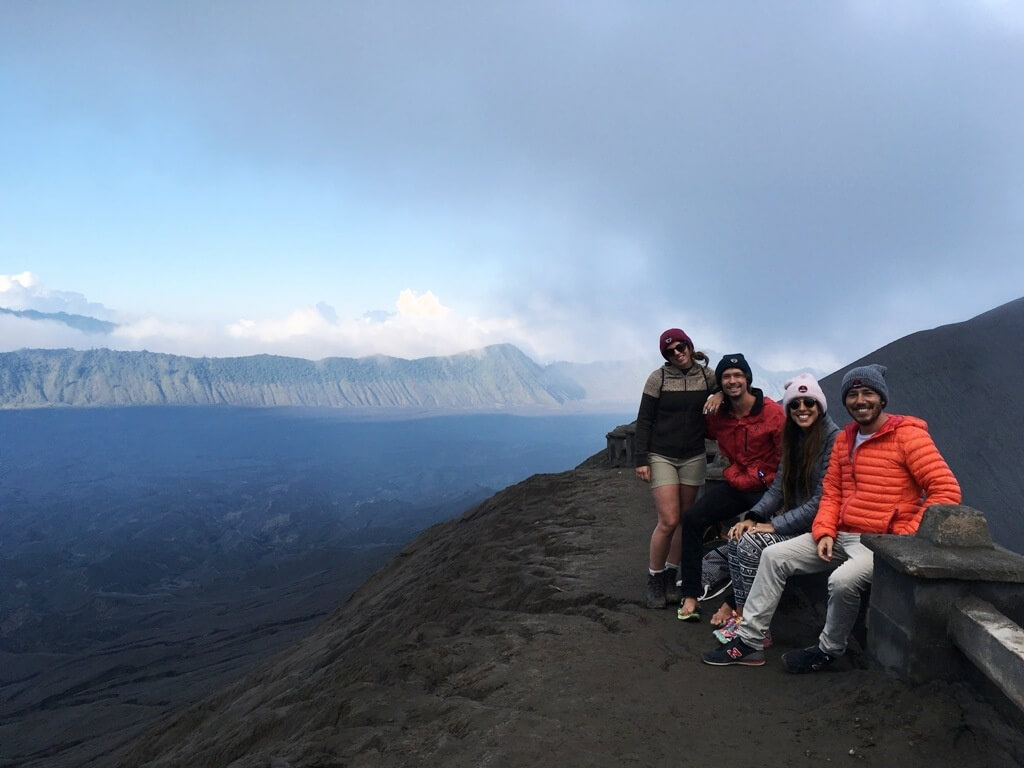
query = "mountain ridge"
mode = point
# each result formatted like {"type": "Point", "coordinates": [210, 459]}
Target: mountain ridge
{"type": "Point", "coordinates": [494, 378]}
{"type": "Point", "coordinates": [956, 378]}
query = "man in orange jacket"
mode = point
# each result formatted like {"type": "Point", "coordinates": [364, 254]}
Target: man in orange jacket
{"type": "Point", "coordinates": [884, 471]}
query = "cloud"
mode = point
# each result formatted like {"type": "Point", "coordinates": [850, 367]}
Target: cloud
{"type": "Point", "coordinates": [21, 333]}
{"type": "Point", "coordinates": [420, 326]}
{"type": "Point", "coordinates": [426, 305]}
{"type": "Point", "coordinates": [803, 183]}
{"type": "Point", "coordinates": [25, 291]}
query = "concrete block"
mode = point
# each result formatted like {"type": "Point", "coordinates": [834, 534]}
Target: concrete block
{"type": "Point", "coordinates": [993, 642]}
{"type": "Point", "coordinates": [954, 525]}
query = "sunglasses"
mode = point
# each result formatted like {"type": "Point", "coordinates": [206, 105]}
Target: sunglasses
{"type": "Point", "coordinates": [806, 402]}
{"type": "Point", "coordinates": [680, 350]}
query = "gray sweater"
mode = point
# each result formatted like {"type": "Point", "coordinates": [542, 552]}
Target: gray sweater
{"type": "Point", "coordinates": [790, 522]}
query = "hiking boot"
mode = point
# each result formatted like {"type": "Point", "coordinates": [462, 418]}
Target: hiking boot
{"type": "Point", "coordinates": [811, 659]}
{"type": "Point", "coordinates": [734, 652]}
{"type": "Point", "coordinates": [672, 593]}
{"type": "Point", "coordinates": [656, 590]}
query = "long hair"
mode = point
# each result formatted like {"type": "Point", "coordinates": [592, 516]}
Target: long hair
{"type": "Point", "coordinates": [801, 450]}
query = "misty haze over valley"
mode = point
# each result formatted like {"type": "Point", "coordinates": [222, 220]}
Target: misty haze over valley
{"type": "Point", "coordinates": [192, 542]}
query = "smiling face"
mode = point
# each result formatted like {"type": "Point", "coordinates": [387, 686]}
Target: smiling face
{"type": "Point", "coordinates": [865, 406]}
{"type": "Point", "coordinates": [680, 355]}
{"type": "Point", "coordinates": [804, 411]}
{"type": "Point", "coordinates": [734, 382]}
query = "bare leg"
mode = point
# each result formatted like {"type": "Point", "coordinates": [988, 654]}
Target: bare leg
{"type": "Point", "coordinates": [687, 495]}
{"type": "Point", "coordinates": [666, 502]}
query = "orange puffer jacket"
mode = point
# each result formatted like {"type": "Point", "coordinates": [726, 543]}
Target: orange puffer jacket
{"type": "Point", "coordinates": [885, 484]}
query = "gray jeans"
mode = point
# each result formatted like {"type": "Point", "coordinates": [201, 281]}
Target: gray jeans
{"type": "Point", "coordinates": [851, 567]}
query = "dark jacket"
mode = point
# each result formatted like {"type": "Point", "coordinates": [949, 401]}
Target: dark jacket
{"type": "Point", "coordinates": [670, 421]}
{"type": "Point", "coordinates": [790, 522]}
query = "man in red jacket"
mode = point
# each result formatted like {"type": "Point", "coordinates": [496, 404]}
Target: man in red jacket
{"type": "Point", "coordinates": [884, 471]}
{"type": "Point", "coordinates": [748, 429]}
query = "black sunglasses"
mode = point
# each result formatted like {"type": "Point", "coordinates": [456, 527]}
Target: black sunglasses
{"type": "Point", "coordinates": [680, 349]}
{"type": "Point", "coordinates": [806, 402]}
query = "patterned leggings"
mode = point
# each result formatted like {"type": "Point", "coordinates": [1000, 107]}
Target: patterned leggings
{"type": "Point", "coordinates": [744, 556]}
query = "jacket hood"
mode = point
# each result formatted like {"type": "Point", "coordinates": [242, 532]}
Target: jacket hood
{"type": "Point", "coordinates": [758, 402]}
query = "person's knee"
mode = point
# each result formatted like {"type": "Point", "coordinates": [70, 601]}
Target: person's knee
{"type": "Point", "coordinates": [770, 556]}
{"type": "Point", "coordinates": [667, 524]}
{"type": "Point", "coordinates": [748, 548]}
{"type": "Point", "coordinates": [848, 582]}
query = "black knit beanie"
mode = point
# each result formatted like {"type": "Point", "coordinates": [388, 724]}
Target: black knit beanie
{"type": "Point", "coordinates": [733, 361]}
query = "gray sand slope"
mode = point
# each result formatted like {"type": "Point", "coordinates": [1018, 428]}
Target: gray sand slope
{"type": "Point", "coordinates": [513, 636]}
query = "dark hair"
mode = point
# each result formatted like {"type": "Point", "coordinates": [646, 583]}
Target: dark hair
{"type": "Point", "coordinates": [801, 450]}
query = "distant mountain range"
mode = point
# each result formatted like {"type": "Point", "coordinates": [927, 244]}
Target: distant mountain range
{"type": "Point", "coordinates": [495, 378]}
{"type": "Point", "coordinates": [498, 377]}
{"type": "Point", "coordinates": [82, 323]}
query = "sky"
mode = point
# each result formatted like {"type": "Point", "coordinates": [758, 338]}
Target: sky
{"type": "Point", "coordinates": [803, 182]}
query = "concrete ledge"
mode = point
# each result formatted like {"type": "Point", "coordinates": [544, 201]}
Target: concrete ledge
{"type": "Point", "coordinates": [993, 642]}
{"type": "Point", "coordinates": [922, 559]}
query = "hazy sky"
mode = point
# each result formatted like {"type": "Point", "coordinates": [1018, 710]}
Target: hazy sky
{"type": "Point", "coordinates": [803, 182]}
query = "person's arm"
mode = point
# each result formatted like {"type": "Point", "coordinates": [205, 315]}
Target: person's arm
{"type": "Point", "coordinates": [931, 473]}
{"type": "Point", "coordinates": [770, 502]}
{"type": "Point", "coordinates": [714, 402]}
{"type": "Point", "coordinates": [645, 417]}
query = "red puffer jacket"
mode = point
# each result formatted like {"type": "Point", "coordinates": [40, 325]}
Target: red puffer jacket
{"type": "Point", "coordinates": [885, 484]}
{"type": "Point", "coordinates": [752, 443]}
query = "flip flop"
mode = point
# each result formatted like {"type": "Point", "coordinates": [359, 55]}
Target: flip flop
{"type": "Point", "coordinates": [692, 617]}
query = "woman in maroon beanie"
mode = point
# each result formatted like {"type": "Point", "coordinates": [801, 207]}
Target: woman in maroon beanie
{"type": "Point", "coordinates": [670, 452]}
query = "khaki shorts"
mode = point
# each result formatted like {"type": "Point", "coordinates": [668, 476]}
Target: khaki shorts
{"type": "Point", "coordinates": [666, 471]}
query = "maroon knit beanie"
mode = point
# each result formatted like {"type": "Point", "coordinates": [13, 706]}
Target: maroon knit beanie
{"type": "Point", "coordinates": [671, 336]}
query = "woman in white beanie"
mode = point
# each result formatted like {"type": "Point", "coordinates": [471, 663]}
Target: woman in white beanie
{"type": "Point", "coordinates": [790, 504]}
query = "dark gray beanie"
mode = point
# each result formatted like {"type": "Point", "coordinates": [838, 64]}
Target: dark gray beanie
{"type": "Point", "coordinates": [872, 376]}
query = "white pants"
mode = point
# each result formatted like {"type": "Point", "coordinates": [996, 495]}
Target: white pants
{"type": "Point", "coordinates": [851, 566]}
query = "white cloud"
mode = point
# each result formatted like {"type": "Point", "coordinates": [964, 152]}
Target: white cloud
{"type": "Point", "coordinates": [421, 326]}
{"type": "Point", "coordinates": [17, 282]}
{"type": "Point", "coordinates": [426, 305]}
{"type": "Point", "coordinates": [25, 291]}
{"type": "Point", "coordinates": [22, 333]}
